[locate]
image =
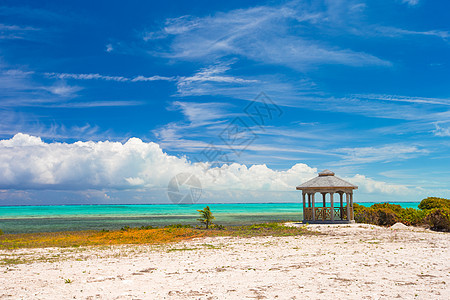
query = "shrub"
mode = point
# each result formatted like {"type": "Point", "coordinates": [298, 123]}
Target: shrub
{"type": "Point", "coordinates": [393, 207]}
{"type": "Point", "coordinates": [439, 219]}
{"type": "Point", "coordinates": [386, 216]}
{"type": "Point", "coordinates": [217, 226]}
{"type": "Point", "coordinates": [410, 216]}
{"type": "Point", "coordinates": [364, 214]}
{"type": "Point", "coordinates": [178, 226]}
{"type": "Point", "coordinates": [1, 232]}
{"type": "Point", "coordinates": [147, 227]}
{"type": "Point", "coordinates": [434, 202]}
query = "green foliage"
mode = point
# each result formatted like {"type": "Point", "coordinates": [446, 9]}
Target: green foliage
{"type": "Point", "coordinates": [146, 227]}
{"type": "Point", "coordinates": [178, 226]}
{"type": "Point", "coordinates": [206, 216]}
{"type": "Point", "coordinates": [410, 216]}
{"type": "Point", "coordinates": [268, 229]}
{"type": "Point", "coordinates": [439, 219]}
{"type": "Point", "coordinates": [217, 226]}
{"type": "Point", "coordinates": [384, 214]}
{"type": "Point", "coordinates": [1, 232]}
{"type": "Point", "coordinates": [432, 211]}
{"type": "Point", "coordinates": [68, 281]}
{"type": "Point", "coordinates": [387, 217]}
{"type": "Point", "coordinates": [434, 202]}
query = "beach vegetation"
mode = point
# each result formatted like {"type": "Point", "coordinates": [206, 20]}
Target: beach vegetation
{"type": "Point", "coordinates": [178, 226]}
{"type": "Point", "coordinates": [131, 235]}
{"type": "Point", "coordinates": [1, 232]}
{"type": "Point", "coordinates": [206, 216]}
{"type": "Point", "coordinates": [433, 212]}
{"type": "Point", "coordinates": [439, 219]}
{"type": "Point", "coordinates": [434, 202]}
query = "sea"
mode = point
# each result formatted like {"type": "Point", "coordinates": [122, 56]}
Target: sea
{"type": "Point", "coordinates": [28, 219]}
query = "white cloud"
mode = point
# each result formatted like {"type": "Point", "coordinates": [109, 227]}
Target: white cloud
{"type": "Point", "coordinates": [109, 48]}
{"type": "Point", "coordinates": [200, 113]}
{"type": "Point", "coordinates": [407, 99]}
{"type": "Point", "coordinates": [388, 153]}
{"type": "Point", "coordinates": [27, 162]}
{"type": "Point", "coordinates": [210, 80]}
{"type": "Point", "coordinates": [395, 32]}
{"type": "Point", "coordinates": [441, 131]}
{"type": "Point", "coordinates": [264, 34]}
{"type": "Point", "coordinates": [411, 2]}
{"type": "Point", "coordinates": [13, 32]}
{"type": "Point", "coordinates": [94, 76]}
{"type": "Point", "coordinates": [369, 185]}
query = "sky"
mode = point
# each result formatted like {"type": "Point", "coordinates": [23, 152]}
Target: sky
{"type": "Point", "coordinates": [108, 102]}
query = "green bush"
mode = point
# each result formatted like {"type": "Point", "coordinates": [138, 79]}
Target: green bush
{"type": "Point", "coordinates": [397, 209]}
{"type": "Point", "coordinates": [364, 214]}
{"type": "Point", "coordinates": [434, 202]}
{"type": "Point", "coordinates": [439, 219]}
{"type": "Point", "coordinates": [378, 214]}
{"type": "Point", "coordinates": [432, 211]}
{"type": "Point", "coordinates": [386, 216]}
{"type": "Point", "coordinates": [178, 226]}
{"type": "Point", "coordinates": [1, 232]}
{"type": "Point", "coordinates": [217, 226]}
{"type": "Point", "coordinates": [410, 216]}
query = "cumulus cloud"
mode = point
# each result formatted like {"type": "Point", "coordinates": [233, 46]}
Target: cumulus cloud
{"type": "Point", "coordinates": [27, 162]}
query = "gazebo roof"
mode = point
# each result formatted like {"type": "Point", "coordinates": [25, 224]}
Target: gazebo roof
{"type": "Point", "coordinates": [326, 179]}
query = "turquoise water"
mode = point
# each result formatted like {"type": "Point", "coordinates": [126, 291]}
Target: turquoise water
{"type": "Point", "coordinates": [21, 219]}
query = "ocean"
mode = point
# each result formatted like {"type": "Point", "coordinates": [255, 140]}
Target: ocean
{"type": "Point", "coordinates": [26, 219]}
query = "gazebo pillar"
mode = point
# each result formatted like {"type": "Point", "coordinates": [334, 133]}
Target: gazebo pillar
{"type": "Point", "coordinates": [332, 206]}
{"type": "Point", "coordinates": [347, 199]}
{"type": "Point", "coordinates": [313, 207]}
{"type": "Point", "coordinates": [304, 204]}
{"type": "Point", "coordinates": [351, 205]}
{"type": "Point", "coordinates": [324, 199]}
{"type": "Point", "coordinates": [341, 194]}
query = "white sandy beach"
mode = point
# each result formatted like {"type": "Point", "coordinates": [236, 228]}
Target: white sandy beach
{"type": "Point", "coordinates": [349, 262]}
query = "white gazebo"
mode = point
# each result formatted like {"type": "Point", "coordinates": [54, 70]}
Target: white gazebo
{"type": "Point", "coordinates": [327, 183]}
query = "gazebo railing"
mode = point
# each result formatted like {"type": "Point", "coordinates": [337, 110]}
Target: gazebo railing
{"type": "Point", "coordinates": [324, 213]}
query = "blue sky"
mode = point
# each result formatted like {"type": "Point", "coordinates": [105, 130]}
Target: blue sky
{"type": "Point", "coordinates": [359, 87]}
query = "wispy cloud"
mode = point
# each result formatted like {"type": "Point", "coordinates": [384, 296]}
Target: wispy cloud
{"type": "Point", "coordinates": [411, 2]}
{"type": "Point", "coordinates": [386, 153]}
{"type": "Point", "coordinates": [407, 99]}
{"type": "Point", "coordinates": [94, 76]}
{"type": "Point", "coordinates": [396, 32]}
{"type": "Point", "coordinates": [441, 131]}
{"type": "Point", "coordinates": [264, 34]}
{"type": "Point", "coordinates": [12, 32]}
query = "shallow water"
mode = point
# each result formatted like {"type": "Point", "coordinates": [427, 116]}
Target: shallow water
{"type": "Point", "coordinates": [21, 219]}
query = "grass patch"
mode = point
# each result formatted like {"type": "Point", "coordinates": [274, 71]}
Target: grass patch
{"type": "Point", "coordinates": [99, 238]}
{"type": "Point", "coordinates": [181, 249]}
{"type": "Point", "coordinates": [266, 229]}
{"type": "Point", "coordinates": [142, 235]}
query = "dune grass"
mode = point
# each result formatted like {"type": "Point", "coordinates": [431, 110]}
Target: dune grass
{"type": "Point", "coordinates": [144, 235]}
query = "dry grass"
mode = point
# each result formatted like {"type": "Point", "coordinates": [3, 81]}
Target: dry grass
{"type": "Point", "coordinates": [138, 236]}
{"type": "Point", "coordinates": [95, 238]}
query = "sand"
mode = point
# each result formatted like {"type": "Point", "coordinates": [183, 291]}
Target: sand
{"type": "Point", "coordinates": [347, 262]}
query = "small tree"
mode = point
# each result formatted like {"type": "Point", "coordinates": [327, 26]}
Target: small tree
{"type": "Point", "coordinates": [206, 216]}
